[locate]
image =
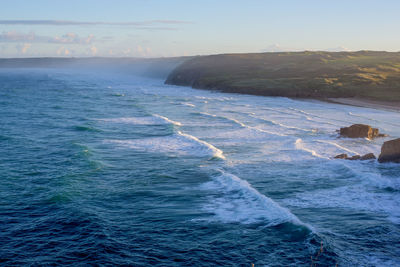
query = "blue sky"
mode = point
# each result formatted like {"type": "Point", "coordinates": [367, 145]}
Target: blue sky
{"type": "Point", "coordinates": [154, 28]}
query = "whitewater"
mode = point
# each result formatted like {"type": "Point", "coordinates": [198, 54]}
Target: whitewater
{"type": "Point", "coordinates": [112, 169]}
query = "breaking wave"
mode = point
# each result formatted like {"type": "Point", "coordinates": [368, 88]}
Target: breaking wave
{"type": "Point", "coordinates": [178, 144]}
{"type": "Point", "coordinates": [338, 146]}
{"type": "Point", "coordinates": [241, 124]}
{"type": "Point", "coordinates": [282, 125]}
{"type": "Point", "coordinates": [235, 200]}
{"type": "Point", "coordinates": [148, 120]}
{"type": "Point", "coordinates": [299, 144]}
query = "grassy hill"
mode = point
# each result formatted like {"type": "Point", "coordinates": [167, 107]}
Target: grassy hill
{"type": "Point", "coordinates": [365, 74]}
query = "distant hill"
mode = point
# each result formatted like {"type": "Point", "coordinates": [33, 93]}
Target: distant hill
{"type": "Point", "coordinates": [365, 74]}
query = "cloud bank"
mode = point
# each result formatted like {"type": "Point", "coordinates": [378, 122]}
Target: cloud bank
{"type": "Point", "coordinates": [92, 23]}
{"type": "Point", "coordinates": [68, 38]}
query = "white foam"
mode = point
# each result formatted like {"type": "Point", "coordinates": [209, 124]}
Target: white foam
{"type": "Point", "coordinates": [235, 200]}
{"type": "Point", "coordinates": [179, 144]}
{"type": "Point", "coordinates": [265, 131]}
{"type": "Point", "coordinates": [167, 120]}
{"type": "Point", "coordinates": [222, 98]}
{"type": "Point", "coordinates": [371, 119]}
{"type": "Point", "coordinates": [310, 116]}
{"type": "Point", "coordinates": [338, 146]}
{"type": "Point", "coordinates": [215, 151]}
{"type": "Point", "coordinates": [281, 124]}
{"type": "Point", "coordinates": [188, 104]}
{"type": "Point", "coordinates": [319, 122]}
{"type": "Point", "coordinates": [370, 176]}
{"type": "Point", "coordinates": [208, 114]}
{"type": "Point", "coordinates": [243, 136]}
{"type": "Point", "coordinates": [148, 120]}
{"type": "Point", "coordinates": [363, 117]}
{"type": "Point", "coordinates": [355, 197]}
{"type": "Point", "coordinates": [225, 118]}
{"type": "Point", "coordinates": [300, 146]}
{"type": "Point", "coordinates": [241, 124]}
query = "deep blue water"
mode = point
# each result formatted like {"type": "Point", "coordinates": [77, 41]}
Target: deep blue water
{"type": "Point", "coordinates": [105, 169]}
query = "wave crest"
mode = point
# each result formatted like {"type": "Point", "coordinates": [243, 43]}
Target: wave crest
{"type": "Point", "coordinates": [179, 144]}
{"type": "Point", "coordinates": [155, 119]}
{"type": "Point", "coordinates": [237, 201]}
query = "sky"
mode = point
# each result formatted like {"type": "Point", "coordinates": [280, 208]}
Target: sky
{"type": "Point", "coordinates": [165, 28]}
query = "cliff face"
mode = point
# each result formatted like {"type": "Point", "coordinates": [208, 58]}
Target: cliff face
{"type": "Point", "coordinates": [368, 74]}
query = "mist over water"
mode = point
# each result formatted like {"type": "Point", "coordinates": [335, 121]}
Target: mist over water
{"type": "Point", "coordinates": [104, 168]}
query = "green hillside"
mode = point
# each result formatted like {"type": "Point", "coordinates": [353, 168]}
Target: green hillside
{"type": "Point", "coordinates": [365, 74]}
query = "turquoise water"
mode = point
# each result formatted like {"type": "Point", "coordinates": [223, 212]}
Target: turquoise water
{"type": "Point", "coordinates": [101, 168]}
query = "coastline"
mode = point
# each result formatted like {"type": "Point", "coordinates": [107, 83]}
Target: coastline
{"type": "Point", "coordinates": [366, 103]}
{"type": "Point", "coordinates": [393, 106]}
{"type": "Point", "coordinates": [365, 78]}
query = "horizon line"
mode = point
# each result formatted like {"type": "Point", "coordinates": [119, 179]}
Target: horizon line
{"type": "Point", "coordinates": [198, 55]}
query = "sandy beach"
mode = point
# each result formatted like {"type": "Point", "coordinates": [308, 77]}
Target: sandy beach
{"type": "Point", "coordinates": [385, 105]}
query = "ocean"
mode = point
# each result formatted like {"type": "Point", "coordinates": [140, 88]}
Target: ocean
{"type": "Point", "coordinates": [100, 168]}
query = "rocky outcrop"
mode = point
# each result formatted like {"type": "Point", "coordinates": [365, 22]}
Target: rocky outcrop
{"type": "Point", "coordinates": [390, 151]}
{"type": "Point", "coordinates": [355, 157]}
{"type": "Point", "coordinates": [368, 156]}
{"type": "Point", "coordinates": [360, 131]}
{"type": "Point", "coordinates": [341, 156]}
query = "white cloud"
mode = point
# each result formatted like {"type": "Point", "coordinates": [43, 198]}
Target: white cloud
{"type": "Point", "coordinates": [23, 48]}
{"type": "Point", "coordinates": [68, 38]}
{"type": "Point", "coordinates": [139, 49]}
{"type": "Point", "coordinates": [127, 52]}
{"type": "Point", "coordinates": [62, 51]}
{"type": "Point", "coordinates": [142, 51]}
{"type": "Point", "coordinates": [72, 38]}
{"type": "Point", "coordinates": [338, 49]}
{"type": "Point", "coordinates": [93, 23]}
{"type": "Point", "coordinates": [13, 36]}
{"type": "Point", "coordinates": [279, 48]}
{"type": "Point", "coordinates": [93, 50]}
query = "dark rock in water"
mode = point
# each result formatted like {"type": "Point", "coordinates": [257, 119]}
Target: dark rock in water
{"type": "Point", "coordinates": [341, 156]}
{"type": "Point", "coordinates": [375, 133]}
{"type": "Point", "coordinates": [390, 151]}
{"type": "Point", "coordinates": [359, 131]}
{"type": "Point", "coordinates": [356, 157]}
{"type": "Point", "coordinates": [368, 156]}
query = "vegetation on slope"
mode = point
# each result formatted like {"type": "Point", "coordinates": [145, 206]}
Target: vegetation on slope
{"type": "Point", "coordinates": [365, 74]}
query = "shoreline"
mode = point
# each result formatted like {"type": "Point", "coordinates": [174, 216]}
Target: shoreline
{"type": "Point", "coordinates": [366, 103]}
{"type": "Point", "coordinates": [393, 106]}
